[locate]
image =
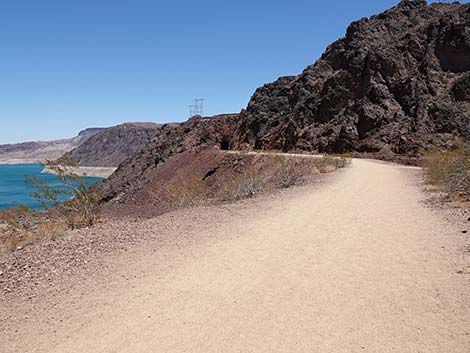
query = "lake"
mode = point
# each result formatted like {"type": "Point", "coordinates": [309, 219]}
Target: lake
{"type": "Point", "coordinates": [13, 187]}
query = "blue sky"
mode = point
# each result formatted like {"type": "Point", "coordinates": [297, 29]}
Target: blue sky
{"type": "Point", "coordinates": [66, 66]}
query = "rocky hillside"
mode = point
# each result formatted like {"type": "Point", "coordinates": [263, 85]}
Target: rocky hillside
{"type": "Point", "coordinates": [397, 81]}
{"type": "Point", "coordinates": [113, 145]}
{"type": "Point", "coordinates": [170, 139]}
{"type": "Point", "coordinates": [31, 152]}
{"type": "Point", "coordinates": [201, 171]}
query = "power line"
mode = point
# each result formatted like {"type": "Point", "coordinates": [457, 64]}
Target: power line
{"type": "Point", "coordinates": [197, 108]}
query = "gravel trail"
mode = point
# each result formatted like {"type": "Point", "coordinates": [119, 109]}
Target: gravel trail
{"type": "Point", "coordinates": [356, 265]}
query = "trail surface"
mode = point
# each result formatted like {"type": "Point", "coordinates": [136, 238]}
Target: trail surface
{"type": "Point", "coordinates": [357, 265]}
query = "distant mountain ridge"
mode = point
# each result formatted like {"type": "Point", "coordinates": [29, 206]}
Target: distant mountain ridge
{"type": "Point", "coordinates": [170, 139]}
{"type": "Point", "coordinates": [32, 152]}
{"type": "Point", "coordinates": [111, 146]}
{"type": "Point", "coordinates": [93, 147]}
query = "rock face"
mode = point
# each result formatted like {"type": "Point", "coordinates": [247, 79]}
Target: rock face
{"type": "Point", "coordinates": [170, 139]}
{"type": "Point", "coordinates": [113, 145]}
{"type": "Point", "coordinates": [396, 82]}
{"type": "Point", "coordinates": [32, 152]}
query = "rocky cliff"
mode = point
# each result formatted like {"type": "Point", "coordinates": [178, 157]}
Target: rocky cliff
{"type": "Point", "coordinates": [396, 82]}
{"type": "Point", "coordinates": [113, 145]}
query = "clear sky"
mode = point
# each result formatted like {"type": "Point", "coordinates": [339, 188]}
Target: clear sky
{"type": "Point", "coordinates": [69, 65]}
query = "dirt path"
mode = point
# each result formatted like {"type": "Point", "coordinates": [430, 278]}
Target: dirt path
{"type": "Point", "coordinates": [358, 265]}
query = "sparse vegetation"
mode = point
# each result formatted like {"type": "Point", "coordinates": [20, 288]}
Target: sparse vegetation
{"type": "Point", "coordinates": [188, 187]}
{"type": "Point", "coordinates": [449, 170]}
{"type": "Point", "coordinates": [332, 162]}
{"type": "Point", "coordinates": [8, 240]}
{"type": "Point", "coordinates": [82, 206]}
{"type": "Point", "coordinates": [289, 171]}
{"type": "Point", "coordinates": [69, 205]}
{"type": "Point", "coordinates": [22, 226]}
{"type": "Point", "coordinates": [185, 189]}
{"type": "Point", "coordinates": [242, 186]}
{"type": "Point", "coordinates": [267, 173]}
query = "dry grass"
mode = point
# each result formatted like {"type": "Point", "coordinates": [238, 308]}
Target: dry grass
{"type": "Point", "coordinates": [332, 162]}
{"type": "Point", "coordinates": [8, 241]}
{"type": "Point", "coordinates": [185, 189]}
{"type": "Point", "coordinates": [17, 237]}
{"type": "Point", "coordinates": [241, 186]}
{"type": "Point", "coordinates": [20, 227]}
{"type": "Point", "coordinates": [50, 229]}
{"type": "Point", "coordinates": [290, 171]}
{"type": "Point", "coordinates": [266, 173]}
{"type": "Point", "coordinates": [449, 170]}
{"type": "Point", "coordinates": [279, 171]}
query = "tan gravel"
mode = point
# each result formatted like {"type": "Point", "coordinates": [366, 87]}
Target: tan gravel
{"type": "Point", "coordinates": [99, 172]}
{"type": "Point", "coordinates": [356, 265]}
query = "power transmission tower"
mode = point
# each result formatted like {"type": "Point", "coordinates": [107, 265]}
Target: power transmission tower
{"type": "Point", "coordinates": [197, 108]}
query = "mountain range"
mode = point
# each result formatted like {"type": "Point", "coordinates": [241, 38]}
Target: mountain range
{"type": "Point", "coordinates": [396, 83]}
{"type": "Point", "coordinates": [31, 152]}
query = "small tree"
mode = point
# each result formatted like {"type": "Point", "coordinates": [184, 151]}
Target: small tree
{"type": "Point", "coordinates": [72, 198]}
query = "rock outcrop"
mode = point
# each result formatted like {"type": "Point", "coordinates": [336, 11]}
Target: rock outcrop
{"type": "Point", "coordinates": [396, 82]}
{"type": "Point", "coordinates": [169, 140]}
{"type": "Point", "coordinates": [113, 145]}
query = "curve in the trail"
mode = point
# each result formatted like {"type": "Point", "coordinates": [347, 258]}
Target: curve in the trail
{"type": "Point", "coordinates": [358, 265]}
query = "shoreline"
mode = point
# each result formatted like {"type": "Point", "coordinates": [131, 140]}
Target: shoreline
{"type": "Point", "coordinates": [97, 172]}
{"type": "Point", "coordinates": [18, 161]}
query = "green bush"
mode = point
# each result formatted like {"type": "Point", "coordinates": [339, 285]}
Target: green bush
{"type": "Point", "coordinates": [82, 207]}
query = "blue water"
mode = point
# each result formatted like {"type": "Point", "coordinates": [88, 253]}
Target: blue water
{"type": "Point", "coordinates": [14, 189]}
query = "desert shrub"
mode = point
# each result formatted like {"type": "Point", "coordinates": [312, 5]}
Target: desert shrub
{"type": "Point", "coordinates": [186, 190]}
{"type": "Point", "coordinates": [50, 229]}
{"type": "Point", "coordinates": [242, 186]}
{"type": "Point", "coordinates": [13, 223]}
{"type": "Point", "coordinates": [266, 172]}
{"type": "Point", "coordinates": [20, 218]}
{"type": "Point", "coordinates": [82, 207]}
{"type": "Point", "coordinates": [343, 160]}
{"type": "Point", "coordinates": [8, 241]}
{"type": "Point", "coordinates": [329, 163]}
{"type": "Point", "coordinates": [22, 225]}
{"type": "Point", "coordinates": [448, 169]}
{"type": "Point", "coordinates": [15, 228]}
{"type": "Point", "coordinates": [289, 171]}
{"type": "Point", "coordinates": [20, 230]}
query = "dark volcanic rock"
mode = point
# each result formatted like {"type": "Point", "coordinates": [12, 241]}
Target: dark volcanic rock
{"type": "Point", "coordinates": [461, 88]}
{"type": "Point", "coordinates": [396, 82]}
{"type": "Point", "coordinates": [113, 145]}
{"type": "Point", "coordinates": [170, 140]}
